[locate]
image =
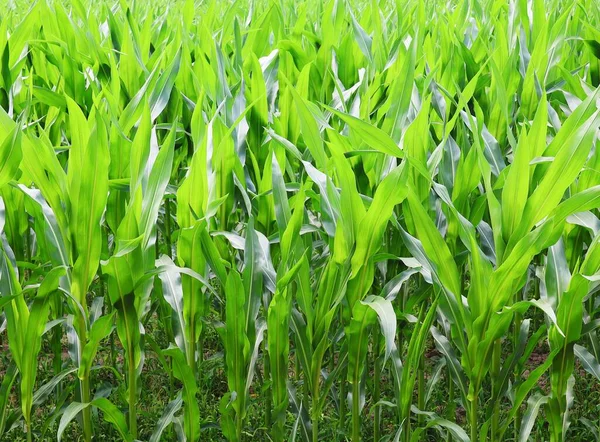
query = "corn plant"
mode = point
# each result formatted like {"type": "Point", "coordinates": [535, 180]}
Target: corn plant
{"type": "Point", "coordinates": [277, 220]}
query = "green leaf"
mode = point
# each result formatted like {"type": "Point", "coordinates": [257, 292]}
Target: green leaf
{"type": "Point", "coordinates": [100, 329]}
{"type": "Point", "coordinates": [72, 410]}
{"type": "Point", "coordinates": [588, 361]}
{"type": "Point", "coordinates": [114, 416]}
{"type": "Point", "coordinates": [370, 135]}
{"type": "Point", "coordinates": [10, 155]}
{"type": "Point", "coordinates": [167, 417]}
{"type": "Point", "coordinates": [310, 128]}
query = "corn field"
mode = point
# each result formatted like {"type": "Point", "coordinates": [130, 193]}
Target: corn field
{"type": "Point", "coordinates": [337, 220]}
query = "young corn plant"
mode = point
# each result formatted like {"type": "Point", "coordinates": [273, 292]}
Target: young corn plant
{"type": "Point", "coordinates": [388, 212]}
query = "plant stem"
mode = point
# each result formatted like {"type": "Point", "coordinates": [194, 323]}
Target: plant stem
{"type": "Point", "coordinates": [239, 426]}
{"type": "Point", "coordinates": [191, 352]}
{"type": "Point", "coordinates": [109, 309]}
{"type": "Point", "coordinates": [376, 389]}
{"type": "Point", "coordinates": [315, 410]}
{"type": "Point", "coordinates": [84, 385]}
{"type": "Point", "coordinates": [495, 372]}
{"type": "Point", "coordinates": [356, 410]}
{"type": "Point", "coordinates": [168, 227]}
{"type": "Point", "coordinates": [451, 409]}
{"type": "Point", "coordinates": [56, 343]}
{"type": "Point", "coordinates": [402, 299]}
{"type": "Point", "coordinates": [519, 415]}
{"type": "Point", "coordinates": [132, 398]}
{"type": "Point", "coordinates": [57, 358]}
{"type": "Point", "coordinates": [473, 415]}
{"type": "Point", "coordinates": [200, 352]}
{"type": "Point", "coordinates": [269, 392]}
{"type": "Point", "coordinates": [113, 357]}
{"type": "Point", "coordinates": [342, 416]}
{"type": "Point", "coordinates": [27, 249]}
{"type": "Point", "coordinates": [87, 417]}
{"type": "Point", "coordinates": [315, 418]}
{"type": "Point", "coordinates": [421, 389]}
